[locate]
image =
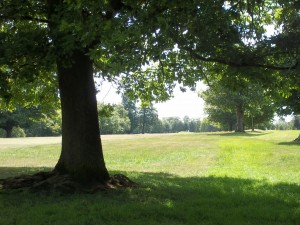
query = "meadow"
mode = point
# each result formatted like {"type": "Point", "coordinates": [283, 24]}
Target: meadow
{"type": "Point", "coordinates": [185, 178]}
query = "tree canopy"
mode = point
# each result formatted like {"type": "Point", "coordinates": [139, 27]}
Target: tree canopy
{"type": "Point", "coordinates": [145, 46]}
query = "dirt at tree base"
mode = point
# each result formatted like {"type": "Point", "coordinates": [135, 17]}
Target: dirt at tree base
{"type": "Point", "coordinates": [52, 182]}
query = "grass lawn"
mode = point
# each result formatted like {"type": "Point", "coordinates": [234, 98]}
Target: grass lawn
{"type": "Point", "coordinates": [185, 178]}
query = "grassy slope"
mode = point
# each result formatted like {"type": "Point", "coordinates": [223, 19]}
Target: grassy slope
{"type": "Point", "coordinates": [185, 178]}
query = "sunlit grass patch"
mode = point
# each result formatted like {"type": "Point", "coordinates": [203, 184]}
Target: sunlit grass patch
{"type": "Point", "coordinates": [34, 156]}
{"type": "Point", "coordinates": [184, 155]}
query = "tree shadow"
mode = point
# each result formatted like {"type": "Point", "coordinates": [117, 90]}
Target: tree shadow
{"type": "Point", "coordinates": [290, 143]}
{"type": "Point", "coordinates": [239, 134]}
{"type": "Point", "coordinates": [164, 199]}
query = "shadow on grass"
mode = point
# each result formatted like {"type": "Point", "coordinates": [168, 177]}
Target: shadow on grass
{"type": "Point", "coordinates": [239, 134]}
{"type": "Point", "coordinates": [161, 199]}
{"type": "Point", "coordinates": [289, 143]}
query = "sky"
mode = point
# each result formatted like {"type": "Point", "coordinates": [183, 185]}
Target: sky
{"type": "Point", "coordinates": [182, 104]}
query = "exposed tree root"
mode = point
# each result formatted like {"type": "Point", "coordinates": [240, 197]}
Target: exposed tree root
{"type": "Point", "coordinates": [52, 182]}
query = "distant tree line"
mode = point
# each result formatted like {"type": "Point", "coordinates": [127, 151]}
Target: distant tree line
{"type": "Point", "coordinates": [145, 120]}
{"type": "Point", "coordinates": [29, 122]}
{"type": "Point", "coordinates": [126, 118]}
{"type": "Point", "coordinates": [129, 118]}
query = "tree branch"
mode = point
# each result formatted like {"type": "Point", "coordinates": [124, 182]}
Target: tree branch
{"type": "Point", "coordinates": [248, 63]}
{"type": "Point", "coordinates": [236, 64]}
{"type": "Point", "coordinates": [203, 73]}
{"type": "Point", "coordinates": [25, 18]}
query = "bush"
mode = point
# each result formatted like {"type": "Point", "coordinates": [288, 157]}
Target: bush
{"type": "Point", "coordinates": [18, 132]}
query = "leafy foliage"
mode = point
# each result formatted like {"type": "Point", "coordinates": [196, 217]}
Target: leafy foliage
{"type": "Point", "coordinates": [33, 121]}
{"type": "Point", "coordinates": [133, 113]}
{"type": "Point", "coordinates": [50, 125]}
{"type": "Point", "coordinates": [116, 122]}
{"type": "Point", "coordinates": [148, 120]}
{"type": "Point", "coordinates": [18, 132]}
{"type": "Point", "coordinates": [252, 100]}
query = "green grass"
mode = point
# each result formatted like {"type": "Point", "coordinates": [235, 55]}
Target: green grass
{"type": "Point", "coordinates": [186, 178]}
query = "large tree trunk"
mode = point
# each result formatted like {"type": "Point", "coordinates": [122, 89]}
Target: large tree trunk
{"type": "Point", "coordinates": [239, 119]}
{"type": "Point", "coordinates": [81, 154]}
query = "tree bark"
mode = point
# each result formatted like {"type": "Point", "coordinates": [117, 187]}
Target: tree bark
{"type": "Point", "coordinates": [81, 154]}
{"type": "Point", "coordinates": [8, 132]}
{"type": "Point", "coordinates": [239, 119]}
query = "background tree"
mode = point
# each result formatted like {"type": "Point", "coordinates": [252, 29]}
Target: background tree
{"type": "Point", "coordinates": [225, 119]}
{"type": "Point", "coordinates": [115, 123]}
{"type": "Point", "coordinates": [28, 118]}
{"type": "Point", "coordinates": [187, 123]}
{"type": "Point", "coordinates": [282, 124]}
{"type": "Point", "coordinates": [142, 119]}
{"type": "Point", "coordinates": [208, 126]}
{"type": "Point", "coordinates": [194, 125]}
{"type": "Point", "coordinates": [133, 113]}
{"type": "Point", "coordinates": [289, 104]}
{"type": "Point", "coordinates": [296, 122]}
{"type": "Point", "coordinates": [8, 120]}
{"type": "Point", "coordinates": [49, 125]}
{"type": "Point", "coordinates": [173, 124]}
{"type": "Point", "coordinates": [260, 108]}
{"type": "Point", "coordinates": [249, 100]}
{"type": "Point", "coordinates": [148, 119]}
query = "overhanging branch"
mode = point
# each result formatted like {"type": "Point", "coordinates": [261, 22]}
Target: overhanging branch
{"type": "Point", "coordinates": [24, 18]}
{"type": "Point", "coordinates": [248, 63]}
{"type": "Point", "coordinates": [237, 64]}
